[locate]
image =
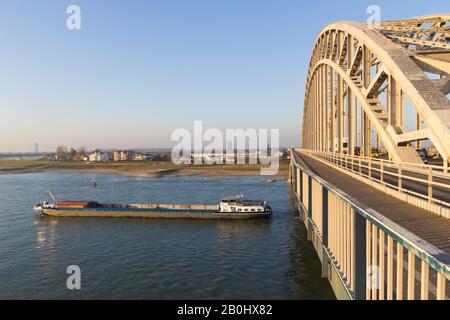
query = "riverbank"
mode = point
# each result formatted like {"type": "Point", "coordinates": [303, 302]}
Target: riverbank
{"type": "Point", "coordinates": [148, 169]}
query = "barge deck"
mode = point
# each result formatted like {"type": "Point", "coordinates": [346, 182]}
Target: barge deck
{"type": "Point", "coordinates": [230, 208]}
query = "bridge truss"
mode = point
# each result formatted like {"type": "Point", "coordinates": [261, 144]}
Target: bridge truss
{"type": "Point", "coordinates": [362, 77]}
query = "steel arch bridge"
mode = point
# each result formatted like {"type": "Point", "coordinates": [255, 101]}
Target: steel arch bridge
{"type": "Point", "coordinates": [362, 77]}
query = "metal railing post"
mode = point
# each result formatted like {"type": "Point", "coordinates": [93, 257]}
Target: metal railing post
{"type": "Point", "coordinates": [325, 216]}
{"type": "Point", "coordinates": [360, 169]}
{"type": "Point", "coordinates": [301, 186]}
{"type": "Point", "coordinates": [309, 196]}
{"type": "Point", "coordinates": [430, 184]}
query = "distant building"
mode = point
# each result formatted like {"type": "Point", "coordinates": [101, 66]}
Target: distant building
{"type": "Point", "coordinates": [106, 156]}
{"type": "Point", "coordinates": [122, 155]}
{"type": "Point", "coordinates": [99, 157]}
{"type": "Point", "coordinates": [93, 157]}
{"type": "Point", "coordinates": [139, 157]}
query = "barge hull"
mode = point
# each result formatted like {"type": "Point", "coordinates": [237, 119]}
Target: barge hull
{"type": "Point", "coordinates": [153, 214]}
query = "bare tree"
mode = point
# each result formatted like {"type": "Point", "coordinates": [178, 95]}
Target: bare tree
{"type": "Point", "coordinates": [61, 152]}
{"type": "Point", "coordinates": [82, 151]}
{"type": "Point", "coordinates": [72, 153]}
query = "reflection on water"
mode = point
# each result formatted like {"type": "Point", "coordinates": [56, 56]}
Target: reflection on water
{"type": "Point", "coordinates": [229, 230]}
{"type": "Point", "coordinates": [45, 233]}
{"type": "Point", "coordinates": [153, 259]}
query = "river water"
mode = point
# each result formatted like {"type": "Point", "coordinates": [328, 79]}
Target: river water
{"type": "Point", "coordinates": [153, 259]}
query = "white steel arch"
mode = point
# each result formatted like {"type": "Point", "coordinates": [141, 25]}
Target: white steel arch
{"type": "Point", "coordinates": [378, 68]}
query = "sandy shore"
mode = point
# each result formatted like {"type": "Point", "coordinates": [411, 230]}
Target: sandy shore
{"type": "Point", "coordinates": [148, 173]}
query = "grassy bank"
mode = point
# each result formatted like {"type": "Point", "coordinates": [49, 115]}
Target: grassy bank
{"type": "Point", "coordinates": [136, 168]}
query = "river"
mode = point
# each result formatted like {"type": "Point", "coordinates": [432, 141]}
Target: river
{"type": "Point", "coordinates": [153, 259]}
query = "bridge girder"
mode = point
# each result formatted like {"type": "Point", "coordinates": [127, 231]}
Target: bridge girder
{"type": "Point", "coordinates": [356, 61]}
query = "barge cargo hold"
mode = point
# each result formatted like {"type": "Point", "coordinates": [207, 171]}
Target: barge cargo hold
{"type": "Point", "coordinates": [230, 208]}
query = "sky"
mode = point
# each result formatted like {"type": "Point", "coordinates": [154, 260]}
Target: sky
{"type": "Point", "coordinates": [138, 70]}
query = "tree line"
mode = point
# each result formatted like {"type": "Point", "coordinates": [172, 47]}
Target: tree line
{"type": "Point", "coordinates": [66, 154]}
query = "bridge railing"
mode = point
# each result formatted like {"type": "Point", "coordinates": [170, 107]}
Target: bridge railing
{"type": "Point", "coordinates": [373, 257]}
{"type": "Point", "coordinates": [429, 183]}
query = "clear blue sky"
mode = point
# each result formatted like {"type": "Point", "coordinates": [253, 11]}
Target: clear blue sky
{"type": "Point", "coordinates": [137, 70]}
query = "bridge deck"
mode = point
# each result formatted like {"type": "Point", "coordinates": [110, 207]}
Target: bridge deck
{"type": "Point", "coordinates": [425, 225]}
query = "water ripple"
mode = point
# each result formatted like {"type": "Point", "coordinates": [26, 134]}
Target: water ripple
{"type": "Point", "coordinates": [153, 259]}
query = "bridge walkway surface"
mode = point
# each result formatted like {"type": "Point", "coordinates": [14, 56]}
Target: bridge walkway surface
{"type": "Point", "coordinates": [424, 224]}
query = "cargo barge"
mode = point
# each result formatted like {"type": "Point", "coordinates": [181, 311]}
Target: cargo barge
{"type": "Point", "coordinates": [229, 208]}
